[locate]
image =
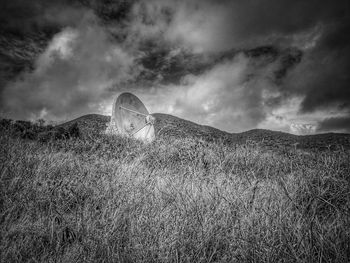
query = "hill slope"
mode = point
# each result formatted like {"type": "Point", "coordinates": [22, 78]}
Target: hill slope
{"type": "Point", "coordinates": [89, 123]}
{"type": "Point", "coordinates": [115, 199]}
{"type": "Point", "coordinates": [170, 126]}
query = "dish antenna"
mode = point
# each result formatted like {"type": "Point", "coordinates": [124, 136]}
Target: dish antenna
{"type": "Point", "coordinates": [130, 117]}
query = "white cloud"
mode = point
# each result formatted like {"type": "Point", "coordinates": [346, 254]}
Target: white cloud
{"type": "Point", "coordinates": [303, 128]}
{"type": "Point", "coordinates": [59, 47]}
{"type": "Point", "coordinates": [222, 97]}
{"type": "Point", "coordinates": [74, 76]}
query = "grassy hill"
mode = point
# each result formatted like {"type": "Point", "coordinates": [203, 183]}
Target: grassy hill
{"type": "Point", "coordinates": [173, 127]}
{"type": "Point", "coordinates": [90, 123]}
{"type": "Point", "coordinates": [190, 196]}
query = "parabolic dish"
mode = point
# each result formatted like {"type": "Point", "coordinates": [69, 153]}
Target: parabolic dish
{"type": "Point", "coordinates": [132, 118]}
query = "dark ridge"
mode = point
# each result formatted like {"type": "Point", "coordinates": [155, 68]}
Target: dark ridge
{"type": "Point", "coordinates": [95, 123]}
{"type": "Point", "coordinates": [173, 127]}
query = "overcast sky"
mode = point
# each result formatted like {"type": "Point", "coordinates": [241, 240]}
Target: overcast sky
{"type": "Point", "coordinates": [232, 64]}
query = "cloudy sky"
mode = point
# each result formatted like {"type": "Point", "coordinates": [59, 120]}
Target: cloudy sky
{"type": "Point", "coordinates": [232, 64]}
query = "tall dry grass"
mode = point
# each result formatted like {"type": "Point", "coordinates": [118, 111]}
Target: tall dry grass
{"type": "Point", "coordinates": [113, 199]}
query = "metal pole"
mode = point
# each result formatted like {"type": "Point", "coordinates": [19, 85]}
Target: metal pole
{"type": "Point", "coordinates": [141, 128]}
{"type": "Point", "coordinates": [139, 113]}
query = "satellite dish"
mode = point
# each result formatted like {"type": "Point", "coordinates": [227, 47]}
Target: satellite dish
{"type": "Point", "coordinates": [131, 118]}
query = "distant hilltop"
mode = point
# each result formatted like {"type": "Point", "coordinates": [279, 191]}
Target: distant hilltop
{"type": "Point", "coordinates": [170, 126]}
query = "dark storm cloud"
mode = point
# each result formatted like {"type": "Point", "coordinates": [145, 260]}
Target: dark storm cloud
{"type": "Point", "coordinates": [338, 124]}
{"type": "Point", "coordinates": [218, 25]}
{"type": "Point", "coordinates": [20, 18]}
{"type": "Point", "coordinates": [168, 66]}
{"type": "Point", "coordinates": [26, 27]}
{"type": "Point", "coordinates": [63, 75]}
{"type": "Point", "coordinates": [324, 74]}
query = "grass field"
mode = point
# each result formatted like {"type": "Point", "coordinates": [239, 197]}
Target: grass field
{"type": "Point", "coordinates": [99, 198]}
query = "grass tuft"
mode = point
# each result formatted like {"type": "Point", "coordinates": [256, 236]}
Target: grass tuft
{"type": "Point", "coordinates": [99, 198]}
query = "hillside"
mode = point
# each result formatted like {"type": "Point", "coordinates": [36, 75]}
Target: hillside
{"type": "Point", "coordinates": [89, 123]}
{"type": "Point", "coordinates": [100, 198]}
{"type": "Point", "coordinates": [170, 126]}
